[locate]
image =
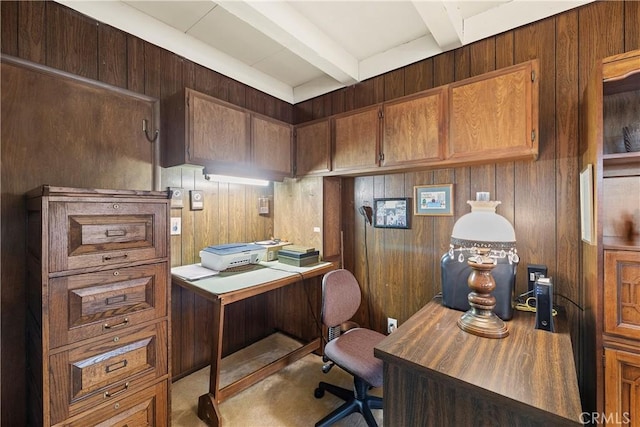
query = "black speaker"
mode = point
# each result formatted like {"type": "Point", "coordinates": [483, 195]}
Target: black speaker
{"type": "Point", "coordinates": [455, 289]}
{"type": "Point", "coordinates": [543, 290]}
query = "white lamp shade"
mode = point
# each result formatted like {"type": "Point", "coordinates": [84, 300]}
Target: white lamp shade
{"type": "Point", "coordinates": [483, 227]}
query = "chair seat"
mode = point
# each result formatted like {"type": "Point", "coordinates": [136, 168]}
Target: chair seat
{"type": "Point", "coordinates": [353, 351]}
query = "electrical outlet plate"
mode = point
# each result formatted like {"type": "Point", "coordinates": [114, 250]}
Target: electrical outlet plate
{"type": "Point", "coordinates": [392, 324]}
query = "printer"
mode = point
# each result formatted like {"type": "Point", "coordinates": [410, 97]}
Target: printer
{"type": "Point", "coordinates": [222, 257]}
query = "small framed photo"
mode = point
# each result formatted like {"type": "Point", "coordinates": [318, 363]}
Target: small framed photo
{"type": "Point", "coordinates": [392, 213]}
{"type": "Point", "coordinates": [434, 200]}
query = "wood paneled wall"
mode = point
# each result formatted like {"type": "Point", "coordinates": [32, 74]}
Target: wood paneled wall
{"type": "Point", "coordinates": [399, 269]}
{"type": "Point", "coordinates": [50, 34]}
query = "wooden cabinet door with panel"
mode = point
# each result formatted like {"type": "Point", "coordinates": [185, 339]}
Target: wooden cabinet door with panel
{"type": "Point", "coordinates": [271, 145]}
{"type": "Point", "coordinates": [495, 115]}
{"type": "Point", "coordinates": [414, 129]}
{"type": "Point", "coordinates": [356, 140]}
{"type": "Point", "coordinates": [622, 294]}
{"type": "Point", "coordinates": [313, 148]}
{"type": "Point", "coordinates": [622, 387]}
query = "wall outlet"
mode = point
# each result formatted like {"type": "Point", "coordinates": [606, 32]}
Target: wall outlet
{"type": "Point", "coordinates": [392, 324]}
{"type": "Point", "coordinates": [534, 271]}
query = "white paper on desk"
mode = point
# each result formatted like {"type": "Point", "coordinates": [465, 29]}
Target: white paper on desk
{"type": "Point", "coordinates": [193, 271]}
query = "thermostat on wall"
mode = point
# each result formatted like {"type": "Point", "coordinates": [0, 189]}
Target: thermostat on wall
{"type": "Point", "coordinates": [197, 200]}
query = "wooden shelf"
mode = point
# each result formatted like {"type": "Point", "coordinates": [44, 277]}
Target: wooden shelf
{"type": "Point", "coordinates": [621, 158]}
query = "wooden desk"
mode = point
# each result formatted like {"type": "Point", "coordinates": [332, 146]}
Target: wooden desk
{"type": "Point", "coordinates": [226, 288]}
{"type": "Point", "coordinates": [435, 374]}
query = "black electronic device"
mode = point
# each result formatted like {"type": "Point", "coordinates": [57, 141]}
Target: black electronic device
{"type": "Point", "coordinates": [455, 289]}
{"type": "Point", "coordinates": [534, 272]}
{"type": "Point", "coordinates": [543, 291]}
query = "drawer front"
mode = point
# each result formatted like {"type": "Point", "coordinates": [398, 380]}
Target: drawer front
{"type": "Point", "coordinates": [99, 372]}
{"type": "Point", "coordinates": [89, 305]}
{"type": "Point", "coordinates": [622, 293]}
{"type": "Point", "coordinates": [90, 234]}
{"type": "Point", "coordinates": [148, 407]}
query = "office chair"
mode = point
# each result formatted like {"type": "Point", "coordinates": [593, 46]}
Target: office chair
{"type": "Point", "coordinates": [351, 350]}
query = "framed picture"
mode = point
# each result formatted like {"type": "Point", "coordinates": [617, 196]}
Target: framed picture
{"type": "Point", "coordinates": [392, 213]}
{"type": "Point", "coordinates": [586, 204]}
{"type": "Point", "coordinates": [434, 199]}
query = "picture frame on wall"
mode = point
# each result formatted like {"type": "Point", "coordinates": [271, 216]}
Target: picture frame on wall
{"type": "Point", "coordinates": [586, 204]}
{"type": "Point", "coordinates": [434, 200]}
{"type": "Point", "coordinates": [392, 212]}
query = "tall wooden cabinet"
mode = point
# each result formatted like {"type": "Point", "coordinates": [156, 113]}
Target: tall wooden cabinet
{"type": "Point", "coordinates": [611, 258]}
{"type": "Point", "coordinates": [98, 299]}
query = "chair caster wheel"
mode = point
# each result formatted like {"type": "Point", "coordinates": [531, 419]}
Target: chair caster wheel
{"type": "Point", "coordinates": [318, 393]}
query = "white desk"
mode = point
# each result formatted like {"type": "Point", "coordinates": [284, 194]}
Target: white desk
{"type": "Point", "coordinates": [226, 288]}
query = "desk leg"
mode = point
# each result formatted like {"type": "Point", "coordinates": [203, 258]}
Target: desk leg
{"type": "Point", "coordinates": [208, 410]}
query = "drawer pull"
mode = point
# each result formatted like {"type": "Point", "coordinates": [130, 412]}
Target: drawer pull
{"type": "Point", "coordinates": [116, 206]}
{"type": "Point", "coordinates": [125, 322]}
{"type": "Point", "coordinates": [116, 233]}
{"type": "Point", "coordinates": [109, 258]}
{"type": "Point", "coordinates": [115, 366]}
{"type": "Point", "coordinates": [117, 299]}
{"type": "Point", "coordinates": [108, 394]}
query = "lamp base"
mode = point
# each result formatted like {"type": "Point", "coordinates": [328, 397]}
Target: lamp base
{"type": "Point", "coordinates": [486, 325]}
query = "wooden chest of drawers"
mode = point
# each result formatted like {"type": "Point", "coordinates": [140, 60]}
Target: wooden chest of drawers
{"type": "Point", "coordinates": [98, 326]}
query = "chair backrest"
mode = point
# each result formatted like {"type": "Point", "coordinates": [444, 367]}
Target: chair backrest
{"type": "Point", "coordinates": [340, 297]}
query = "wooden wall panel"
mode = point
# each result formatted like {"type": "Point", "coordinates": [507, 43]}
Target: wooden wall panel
{"type": "Point", "coordinates": [72, 42]}
{"type": "Point", "coordinates": [112, 59]}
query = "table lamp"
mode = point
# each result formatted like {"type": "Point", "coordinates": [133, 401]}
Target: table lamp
{"type": "Point", "coordinates": [486, 236]}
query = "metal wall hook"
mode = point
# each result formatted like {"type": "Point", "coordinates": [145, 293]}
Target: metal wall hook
{"type": "Point", "coordinates": [144, 128]}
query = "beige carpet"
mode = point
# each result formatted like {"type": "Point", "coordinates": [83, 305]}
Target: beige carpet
{"type": "Point", "coordinates": [282, 399]}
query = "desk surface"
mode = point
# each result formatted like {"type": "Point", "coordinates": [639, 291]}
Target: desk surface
{"type": "Point", "coordinates": [259, 274]}
{"type": "Point", "coordinates": [530, 367]}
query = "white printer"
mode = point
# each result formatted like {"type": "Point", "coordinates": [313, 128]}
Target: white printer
{"type": "Point", "coordinates": [221, 257]}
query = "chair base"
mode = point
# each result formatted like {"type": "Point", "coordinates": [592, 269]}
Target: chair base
{"type": "Point", "coordinates": [355, 401]}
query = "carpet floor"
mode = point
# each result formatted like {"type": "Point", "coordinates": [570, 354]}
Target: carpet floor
{"type": "Point", "coordinates": [281, 400]}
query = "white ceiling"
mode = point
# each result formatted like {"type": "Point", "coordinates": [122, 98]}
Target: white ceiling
{"type": "Point", "coordinates": [296, 50]}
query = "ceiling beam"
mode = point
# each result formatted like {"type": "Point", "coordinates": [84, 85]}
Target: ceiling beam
{"type": "Point", "coordinates": [444, 21]}
{"type": "Point", "coordinates": [286, 26]}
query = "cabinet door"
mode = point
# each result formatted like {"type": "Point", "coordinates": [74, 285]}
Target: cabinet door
{"type": "Point", "coordinates": [148, 407]}
{"type": "Point", "coordinates": [271, 145]}
{"type": "Point", "coordinates": [622, 293]}
{"type": "Point", "coordinates": [356, 140]}
{"type": "Point", "coordinates": [495, 116]}
{"type": "Point", "coordinates": [105, 233]}
{"type": "Point", "coordinates": [313, 148]}
{"type": "Point", "coordinates": [101, 371]}
{"type": "Point", "coordinates": [94, 304]}
{"type": "Point", "coordinates": [414, 129]}
{"type": "Point", "coordinates": [217, 133]}
{"type": "Point", "coordinates": [622, 387]}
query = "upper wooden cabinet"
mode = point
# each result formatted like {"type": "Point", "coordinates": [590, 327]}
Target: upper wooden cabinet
{"type": "Point", "coordinates": [484, 119]}
{"type": "Point", "coordinates": [313, 147]}
{"type": "Point", "coordinates": [356, 140]}
{"type": "Point", "coordinates": [224, 138]}
{"type": "Point", "coordinates": [494, 116]}
{"type": "Point", "coordinates": [271, 147]}
{"type": "Point", "coordinates": [414, 129]}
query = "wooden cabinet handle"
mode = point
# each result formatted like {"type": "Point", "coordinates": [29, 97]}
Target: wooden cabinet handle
{"type": "Point", "coordinates": [115, 366]}
{"type": "Point", "coordinates": [125, 322]}
{"type": "Point", "coordinates": [109, 258]}
{"type": "Point", "coordinates": [116, 299]}
{"type": "Point", "coordinates": [116, 233]}
{"type": "Point", "coordinates": [108, 394]}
